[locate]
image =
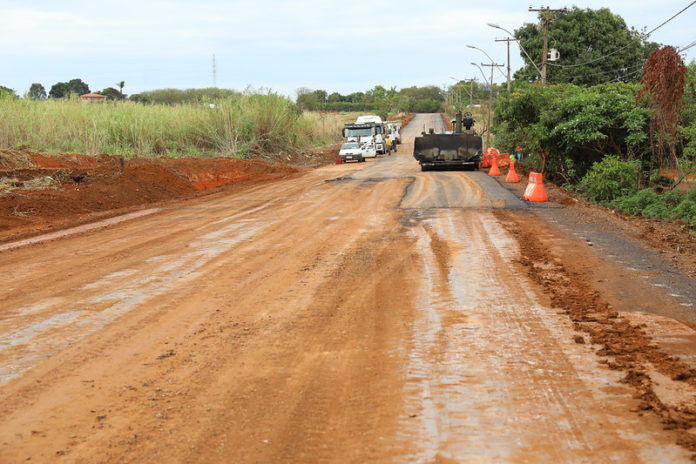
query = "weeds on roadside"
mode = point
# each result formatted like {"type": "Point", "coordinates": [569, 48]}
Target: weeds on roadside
{"type": "Point", "coordinates": [236, 127]}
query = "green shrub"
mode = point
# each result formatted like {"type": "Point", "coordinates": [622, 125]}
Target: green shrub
{"type": "Point", "coordinates": [635, 204]}
{"type": "Point", "coordinates": [652, 205]}
{"type": "Point", "coordinates": [686, 211]}
{"type": "Point", "coordinates": [691, 195]}
{"type": "Point", "coordinates": [609, 179]}
{"type": "Point", "coordinates": [657, 211]}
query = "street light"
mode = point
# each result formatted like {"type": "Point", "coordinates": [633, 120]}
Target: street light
{"type": "Point", "coordinates": [484, 52]}
{"type": "Point", "coordinates": [496, 26]}
{"type": "Point", "coordinates": [481, 50]}
{"type": "Point", "coordinates": [485, 79]}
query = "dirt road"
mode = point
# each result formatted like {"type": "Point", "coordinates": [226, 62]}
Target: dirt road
{"type": "Point", "coordinates": [359, 313]}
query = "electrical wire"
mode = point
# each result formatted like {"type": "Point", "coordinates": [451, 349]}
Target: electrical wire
{"type": "Point", "coordinates": [624, 76]}
{"type": "Point", "coordinates": [686, 47]}
{"type": "Point", "coordinates": [677, 14]}
{"type": "Point", "coordinates": [625, 46]}
{"type": "Point", "coordinates": [610, 71]}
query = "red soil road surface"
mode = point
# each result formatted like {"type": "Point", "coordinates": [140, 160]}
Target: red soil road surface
{"type": "Point", "coordinates": [358, 313]}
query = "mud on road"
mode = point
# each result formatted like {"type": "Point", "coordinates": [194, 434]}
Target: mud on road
{"type": "Point", "coordinates": [357, 313]}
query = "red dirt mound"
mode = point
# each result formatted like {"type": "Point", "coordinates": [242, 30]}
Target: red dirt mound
{"type": "Point", "coordinates": [40, 192]}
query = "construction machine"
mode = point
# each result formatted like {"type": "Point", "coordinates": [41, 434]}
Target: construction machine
{"type": "Point", "coordinates": [461, 148]}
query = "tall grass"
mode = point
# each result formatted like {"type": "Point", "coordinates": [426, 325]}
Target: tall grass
{"type": "Point", "coordinates": [238, 126]}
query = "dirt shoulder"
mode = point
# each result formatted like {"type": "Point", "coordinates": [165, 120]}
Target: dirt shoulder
{"type": "Point", "coordinates": [675, 241]}
{"type": "Point", "coordinates": [39, 193]}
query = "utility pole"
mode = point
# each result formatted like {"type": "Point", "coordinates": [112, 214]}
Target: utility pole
{"type": "Point", "coordinates": [547, 16]}
{"type": "Point", "coordinates": [490, 100]}
{"type": "Point", "coordinates": [508, 40]}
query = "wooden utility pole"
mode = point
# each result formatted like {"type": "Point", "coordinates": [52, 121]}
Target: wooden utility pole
{"type": "Point", "coordinates": [490, 101]}
{"type": "Point", "coordinates": [547, 17]}
{"type": "Point", "coordinates": [508, 40]}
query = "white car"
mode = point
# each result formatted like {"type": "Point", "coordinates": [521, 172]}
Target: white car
{"type": "Point", "coordinates": [368, 150]}
{"type": "Point", "coordinates": [350, 151]}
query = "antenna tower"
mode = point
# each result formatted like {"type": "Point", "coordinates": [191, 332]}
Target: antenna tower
{"type": "Point", "coordinates": [214, 71]}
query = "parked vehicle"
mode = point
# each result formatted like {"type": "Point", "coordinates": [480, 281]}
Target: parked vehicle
{"type": "Point", "coordinates": [458, 149]}
{"type": "Point", "coordinates": [368, 132]}
{"type": "Point", "coordinates": [350, 151]}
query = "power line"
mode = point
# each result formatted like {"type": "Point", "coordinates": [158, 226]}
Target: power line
{"type": "Point", "coordinates": [686, 47]}
{"type": "Point", "coordinates": [625, 46]}
{"type": "Point", "coordinates": [677, 14]}
{"type": "Point", "coordinates": [610, 71]}
{"type": "Point", "coordinates": [617, 79]}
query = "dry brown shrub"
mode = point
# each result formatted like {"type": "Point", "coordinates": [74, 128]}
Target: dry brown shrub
{"type": "Point", "coordinates": [663, 87]}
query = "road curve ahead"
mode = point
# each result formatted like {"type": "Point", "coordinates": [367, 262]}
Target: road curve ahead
{"type": "Point", "coordinates": [361, 313]}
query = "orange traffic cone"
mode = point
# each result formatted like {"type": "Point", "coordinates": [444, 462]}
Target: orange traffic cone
{"type": "Point", "coordinates": [512, 174]}
{"type": "Point", "coordinates": [494, 167]}
{"type": "Point", "coordinates": [535, 189]}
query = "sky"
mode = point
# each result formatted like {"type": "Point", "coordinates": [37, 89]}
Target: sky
{"type": "Point", "coordinates": [343, 46]}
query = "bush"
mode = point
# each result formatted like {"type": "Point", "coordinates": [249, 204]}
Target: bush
{"type": "Point", "coordinates": [635, 204]}
{"type": "Point", "coordinates": [562, 123]}
{"type": "Point", "coordinates": [657, 210]}
{"type": "Point", "coordinates": [652, 205]}
{"type": "Point", "coordinates": [686, 211]}
{"type": "Point", "coordinates": [609, 179]}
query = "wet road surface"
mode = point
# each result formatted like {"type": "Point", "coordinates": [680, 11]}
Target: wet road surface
{"type": "Point", "coordinates": [361, 313]}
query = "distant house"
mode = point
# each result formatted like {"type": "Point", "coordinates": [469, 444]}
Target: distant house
{"type": "Point", "coordinates": [92, 98]}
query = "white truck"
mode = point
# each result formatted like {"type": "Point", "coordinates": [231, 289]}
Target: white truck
{"type": "Point", "coordinates": [368, 132]}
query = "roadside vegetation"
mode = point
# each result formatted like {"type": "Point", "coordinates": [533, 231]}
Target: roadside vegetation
{"type": "Point", "coordinates": [236, 126]}
{"type": "Point", "coordinates": [598, 141]}
{"type": "Point", "coordinates": [621, 133]}
{"type": "Point", "coordinates": [379, 100]}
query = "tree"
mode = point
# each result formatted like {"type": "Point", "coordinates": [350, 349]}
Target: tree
{"type": "Point", "coordinates": [6, 92]}
{"type": "Point", "coordinates": [64, 89]}
{"type": "Point", "coordinates": [306, 98]}
{"type": "Point", "coordinates": [356, 97]}
{"type": "Point", "coordinates": [121, 85]}
{"type": "Point", "coordinates": [36, 92]}
{"type": "Point", "coordinates": [59, 90]}
{"type": "Point", "coordinates": [335, 97]}
{"type": "Point", "coordinates": [566, 128]}
{"type": "Point", "coordinates": [111, 94]}
{"type": "Point", "coordinates": [78, 87]}
{"type": "Point", "coordinates": [595, 46]}
{"type": "Point", "coordinates": [663, 88]}
{"type": "Point", "coordinates": [321, 95]}
{"type": "Point", "coordinates": [430, 92]}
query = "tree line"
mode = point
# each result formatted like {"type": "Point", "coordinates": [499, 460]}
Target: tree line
{"type": "Point", "coordinates": [381, 100]}
{"type": "Point", "coordinates": [65, 90]}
